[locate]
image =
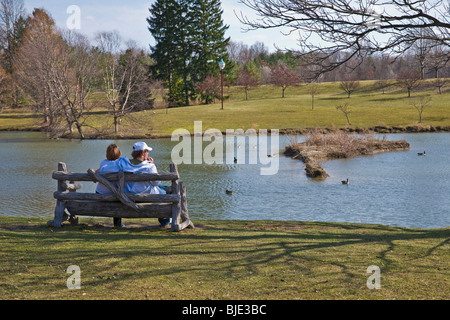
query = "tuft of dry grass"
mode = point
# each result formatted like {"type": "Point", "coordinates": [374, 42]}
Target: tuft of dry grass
{"type": "Point", "coordinates": [341, 144]}
{"type": "Point", "coordinates": [320, 145]}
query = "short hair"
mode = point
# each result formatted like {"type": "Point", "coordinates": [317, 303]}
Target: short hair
{"type": "Point", "coordinates": [137, 154]}
{"type": "Point", "coordinates": [113, 152]}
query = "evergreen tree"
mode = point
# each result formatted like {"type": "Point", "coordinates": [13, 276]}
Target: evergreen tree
{"type": "Point", "coordinates": [208, 39]}
{"type": "Point", "coordinates": [167, 26]}
{"type": "Point", "coordinates": [190, 41]}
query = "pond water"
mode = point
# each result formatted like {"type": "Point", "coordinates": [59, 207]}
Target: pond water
{"type": "Point", "coordinates": [396, 188]}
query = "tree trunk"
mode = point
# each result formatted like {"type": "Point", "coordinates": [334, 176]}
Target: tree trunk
{"type": "Point", "coordinates": [116, 123]}
{"type": "Point", "coordinates": [80, 129]}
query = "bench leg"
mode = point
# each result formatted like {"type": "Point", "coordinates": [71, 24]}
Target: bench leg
{"type": "Point", "coordinates": [186, 222]}
{"type": "Point", "coordinates": [180, 210]}
{"type": "Point", "coordinates": [176, 213]}
{"type": "Point", "coordinates": [60, 215]}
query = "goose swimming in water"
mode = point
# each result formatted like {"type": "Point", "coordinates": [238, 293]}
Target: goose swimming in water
{"type": "Point", "coordinates": [228, 192]}
{"type": "Point", "coordinates": [345, 181]}
{"type": "Point", "coordinates": [421, 153]}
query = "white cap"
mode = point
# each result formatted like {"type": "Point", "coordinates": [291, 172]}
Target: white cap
{"type": "Point", "coordinates": [141, 146]}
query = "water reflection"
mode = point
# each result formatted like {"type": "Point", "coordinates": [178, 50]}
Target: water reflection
{"type": "Point", "coordinates": [398, 188]}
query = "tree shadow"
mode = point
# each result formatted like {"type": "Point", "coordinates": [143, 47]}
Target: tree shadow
{"type": "Point", "coordinates": [238, 249]}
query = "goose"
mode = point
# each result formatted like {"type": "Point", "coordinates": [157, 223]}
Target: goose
{"type": "Point", "coordinates": [345, 181]}
{"type": "Point", "coordinates": [228, 192]}
{"type": "Point", "coordinates": [235, 160]}
{"type": "Point", "coordinates": [421, 153]}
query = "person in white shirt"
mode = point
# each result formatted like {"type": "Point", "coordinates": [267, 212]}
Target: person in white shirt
{"type": "Point", "coordinates": [141, 162]}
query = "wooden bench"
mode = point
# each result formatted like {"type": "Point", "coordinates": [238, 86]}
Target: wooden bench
{"type": "Point", "coordinates": [70, 204]}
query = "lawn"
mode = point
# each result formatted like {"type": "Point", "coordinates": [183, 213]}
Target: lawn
{"type": "Point", "coordinates": [222, 260]}
{"type": "Point", "coordinates": [265, 109]}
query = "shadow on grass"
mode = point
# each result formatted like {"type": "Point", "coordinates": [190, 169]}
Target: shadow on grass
{"type": "Point", "coordinates": [20, 116]}
{"type": "Point", "coordinates": [221, 247]}
{"type": "Point", "coordinates": [233, 259]}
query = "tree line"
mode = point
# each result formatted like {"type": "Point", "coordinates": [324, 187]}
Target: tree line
{"type": "Point", "coordinates": [57, 70]}
{"type": "Point", "coordinates": [254, 66]}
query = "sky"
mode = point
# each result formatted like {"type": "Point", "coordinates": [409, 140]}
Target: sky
{"type": "Point", "coordinates": [129, 18]}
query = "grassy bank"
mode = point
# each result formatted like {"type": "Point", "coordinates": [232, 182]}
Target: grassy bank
{"type": "Point", "coordinates": [265, 109]}
{"type": "Point", "coordinates": [221, 260]}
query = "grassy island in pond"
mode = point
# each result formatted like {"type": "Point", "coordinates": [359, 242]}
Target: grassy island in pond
{"type": "Point", "coordinates": [321, 145]}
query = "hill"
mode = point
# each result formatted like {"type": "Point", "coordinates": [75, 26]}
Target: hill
{"type": "Point", "coordinates": [368, 107]}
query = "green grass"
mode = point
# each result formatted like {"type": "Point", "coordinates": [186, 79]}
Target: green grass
{"type": "Point", "coordinates": [221, 260]}
{"type": "Point", "coordinates": [19, 119]}
{"type": "Point", "coordinates": [265, 109]}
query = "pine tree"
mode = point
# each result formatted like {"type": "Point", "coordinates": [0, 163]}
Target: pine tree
{"type": "Point", "coordinates": [190, 41]}
{"type": "Point", "coordinates": [208, 39]}
{"type": "Point", "coordinates": [167, 26]}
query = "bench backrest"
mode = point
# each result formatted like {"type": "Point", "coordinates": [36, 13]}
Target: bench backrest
{"type": "Point", "coordinates": [67, 186]}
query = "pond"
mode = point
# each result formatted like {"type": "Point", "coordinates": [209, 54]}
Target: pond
{"type": "Point", "coordinates": [396, 188]}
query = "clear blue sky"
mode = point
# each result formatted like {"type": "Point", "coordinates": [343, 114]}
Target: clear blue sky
{"type": "Point", "coordinates": [128, 17]}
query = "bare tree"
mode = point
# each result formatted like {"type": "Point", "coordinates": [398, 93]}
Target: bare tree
{"type": "Point", "coordinates": [439, 58]}
{"type": "Point", "coordinates": [239, 52]}
{"type": "Point", "coordinates": [258, 48]}
{"type": "Point", "coordinates": [439, 83]}
{"type": "Point", "coordinates": [125, 79]}
{"type": "Point", "coordinates": [408, 79]}
{"type": "Point", "coordinates": [73, 80]}
{"type": "Point", "coordinates": [284, 77]}
{"type": "Point", "coordinates": [34, 61]}
{"type": "Point", "coordinates": [421, 50]}
{"type": "Point", "coordinates": [349, 86]}
{"type": "Point", "coordinates": [382, 85]}
{"type": "Point", "coordinates": [247, 81]}
{"type": "Point", "coordinates": [11, 11]}
{"type": "Point", "coordinates": [109, 44]}
{"type": "Point", "coordinates": [12, 23]}
{"type": "Point", "coordinates": [313, 89]}
{"type": "Point", "coordinates": [345, 109]}
{"type": "Point", "coordinates": [3, 87]}
{"type": "Point", "coordinates": [359, 28]}
{"type": "Point", "coordinates": [56, 70]}
{"type": "Point", "coordinates": [420, 103]}
{"type": "Point", "coordinates": [242, 54]}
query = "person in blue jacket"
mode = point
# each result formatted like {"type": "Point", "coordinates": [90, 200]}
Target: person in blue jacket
{"type": "Point", "coordinates": [141, 162]}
